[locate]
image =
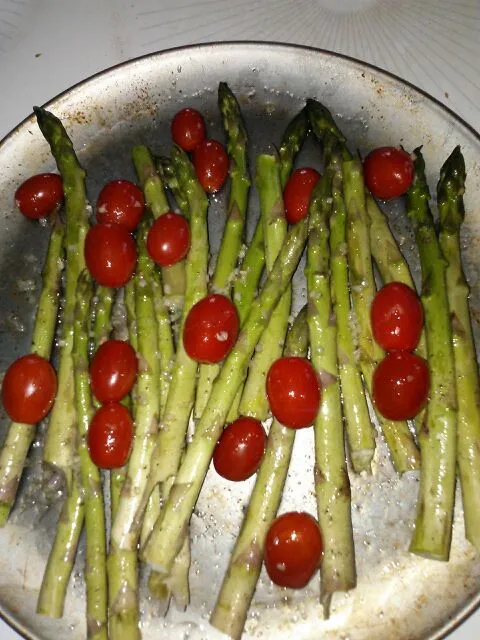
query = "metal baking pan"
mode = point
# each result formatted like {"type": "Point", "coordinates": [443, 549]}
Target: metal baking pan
{"type": "Point", "coordinates": [399, 595]}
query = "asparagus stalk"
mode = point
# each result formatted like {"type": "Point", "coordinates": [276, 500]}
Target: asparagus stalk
{"type": "Point", "coordinates": [103, 304]}
{"type": "Point", "coordinates": [20, 436]}
{"type": "Point", "coordinates": [156, 199]}
{"type": "Point", "coordinates": [437, 437]}
{"type": "Point", "coordinates": [450, 191]}
{"type": "Point", "coordinates": [332, 485]}
{"type": "Point", "coordinates": [392, 265]}
{"type": "Point", "coordinates": [170, 529]}
{"type": "Point", "coordinates": [120, 332]}
{"type": "Point", "coordinates": [245, 287]}
{"type": "Point", "coordinates": [227, 258]}
{"type": "Point", "coordinates": [129, 295]}
{"type": "Point", "coordinates": [254, 400]}
{"type": "Point", "coordinates": [243, 571]}
{"type": "Point", "coordinates": [91, 481]}
{"type": "Point", "coordinates": [360, 433]}
{"type": "Point", "coordinates": [359, 429]}
{"type": "Point", "coordinates": [166, 356]}
{"type": "Point", "coordinates": [60, 436]}
{"type": "Point", "coordinates": [167, 172]}
{"type": "Point", "coordinates": [404, 452]}
{"type": "Point", "coordinates": [170, 441]}
{"type": "Point", "coordinates": [51, 598]}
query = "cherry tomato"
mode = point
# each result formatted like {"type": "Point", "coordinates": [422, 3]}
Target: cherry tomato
{"type": "Point", "coordinates": [168, 239]}
{"type": "Point", "coordinates": [188, 128]}
{"type": "Point", "coordinates": [293, 549]}
{"type": "Point", "coordinates": [29, 388]}
{"type": "Point", "coordinates": [110, 254]}
{"type": "Point", "coordinates": [397, 317]}
{"type": "Point", "coordinates": [38, 196]}
{"type": "Point", "coordinates": [110, 436]}
{"type": "Point", "coordinates": [120, 202]}
{"type": "Point", "coordinates": [240, 449]}
{"type": "Point", "coordinates": [297, 193]}
{"type": "Point", "coordinates": [401, 383]}
{"type": "Point", "coordinates": [293, 391]}
{"type": "Point", "coordinates": [211, 329]}
{"type": "Point", "coordinates": [211, 165]}
{"type": "Point", "coordinates": [388, 172]}
{"type": "Point", "coordinates": [113, 370]}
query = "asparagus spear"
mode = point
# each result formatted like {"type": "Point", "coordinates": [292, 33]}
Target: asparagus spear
{"type": "Point", "coordinates": [245, 564]}
{"type": "Point", "coordinates": [170, 529]}
{"type": "Point", "coordinates": [167, 172]}
{"type": "Point", "coordinates": [392, 265]}
{"type": "Point", "coordinates": [120, 326]}
{"type": "Point", "coordinates": [450, 191]}
{"type": "Point", "coordinates": [91, 482]}
{"type": "Point", "coordinates": [245, 286]}
{"type": "Point", "coordinates": [20, 436]}
{"type": "Point", "coordinates": [254, 400]}
{"type": "Point", "coordinates": [332, 485]}
{"type": "Point", "coordinates": [127, 524]}
{"type": "Point", "coordinates": [129, 296]}
{"type": "Point", "coordinates": [154, 191]}
{"type": "Point", "coordinates": [60, 436]}
{"type": "Point", "coordinates": [51, 598]}
{"type": "Point", "coordinates": [359, 429]}
{"type": "Point", "coordinates": [404, 452]}
{"type": "Point", "coordinates": [227, 258]}
{"type": "Point", "coordinates": [253, 263]}
{"type": "Point", "coordinates": [170, 441]}
{"type": "Point", "coordinates": [437, 438]}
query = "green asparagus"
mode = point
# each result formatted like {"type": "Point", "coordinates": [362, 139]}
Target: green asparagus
{"type": "Point", "coordinates": [332, 485]}
{"type": "Point", "coordinates": [126, 527]}
{"type": "Point", "coordinates": [170, 441]}
{"type": "Point", "coordinates": [243, 570]}
{"type": "Point", "coordinates": [60, 437]}
{"type": "Point", "coordinates": [234, 227]}
{"type": "Point", "coordinates": [20, 436]}
{"type": "Point", "coordinates": [404, 452]}
{"type": "Point", "coordinates": [450, 191]}
{"type": "Point", "coordinates": [173, 277]}
{"type": "Point", "coordinates": [254, 399]}
{"type": "Point", "coordinates": [171, 528]}
{"type": "Point", "coordinates": [91, 481]}
{"type": "Point", "coordinates": [437, 437]}
{"type": "Point", "coordinates": [360, 432]}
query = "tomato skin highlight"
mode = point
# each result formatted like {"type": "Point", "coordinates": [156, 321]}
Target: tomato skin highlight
{"type": "Point", "coordinates": [188, 128]}
{"type": "Point", "coordinates": [211, 165]}
{"type": "Point", "coordinates": [211, 329]}
{"type": "Point", "coordinates": [298, 192]}
{"type": "Point", "coordinates": [293, 549]}
{"type": "Point", "coordinates": [397, 317]}
{"type": "Point", "coordinates": [240, 448]}
{"type": "Point", "coordinates": [110, 436]}
{"type": "Point", "coordinates": [168, 239]}
{"type": "Point", "coordinates": [113, 370]}
{"type": "Point", "coordinates": [388, 172]}
{"type": "Point", "coordinates": [39, 195]}
{"type": "Point", "coordinates": [293, 391]}
{"type": "Point", "coordinates": [401, 383]}
{"type": "Point", "coordinates": [29, 388]}
{"type": "Point", "coordinates": [110, 254]}
{"type": "Point", "coordinates": [121, 202]}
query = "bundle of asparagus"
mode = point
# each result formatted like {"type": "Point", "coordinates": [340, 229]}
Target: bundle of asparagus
{"type": "Point", "coordinates": [153, 496]}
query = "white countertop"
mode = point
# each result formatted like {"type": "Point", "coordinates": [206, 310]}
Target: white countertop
{"type": "Point", "coordinates": [48, 45]}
